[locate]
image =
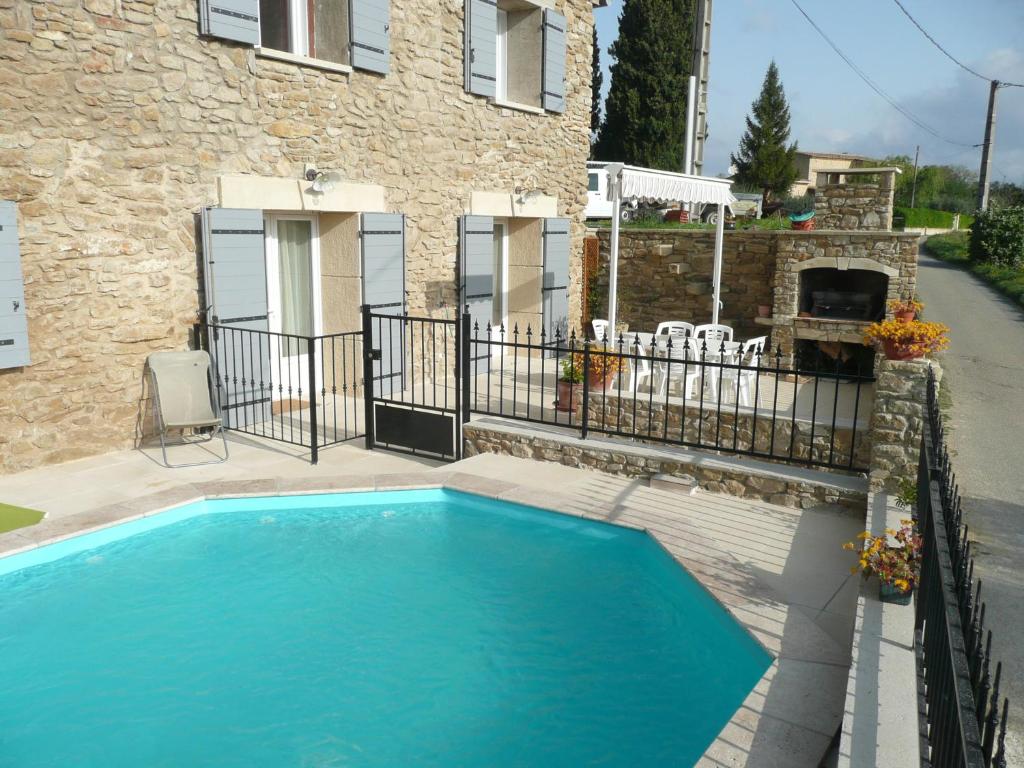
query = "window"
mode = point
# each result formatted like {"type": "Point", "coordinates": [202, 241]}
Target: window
{"type": "Point", "coordinates": [520, 47]}
{"type": "Point", "coordinates": [593, 182]}
{"type": "Point", "coordinates": [317, 29]}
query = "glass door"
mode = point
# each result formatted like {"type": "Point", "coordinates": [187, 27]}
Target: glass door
{"type": "Point", "coordinates": [293, 293]}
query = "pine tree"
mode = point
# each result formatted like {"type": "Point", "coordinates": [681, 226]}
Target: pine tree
{"type": "Point", "coordinates": [645, 113]}
{"type": "Point", "coordinates": [596, 81]}
{"type": "Point", "coordinates": [764, 160]}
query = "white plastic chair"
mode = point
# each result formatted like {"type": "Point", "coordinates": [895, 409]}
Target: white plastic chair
{"type": "Point", "coordinates": [685, 368]}
{"type": "Point", "coordinates": [712, 332]}
{"type": "Point", "coordinates": [741, 380]}
{"type": "Point", "coordinates": [639, 369]}
{"type": "Point", "coordinates": [674, 328]}
{"type": "Point", "coordinates": [600, 329]}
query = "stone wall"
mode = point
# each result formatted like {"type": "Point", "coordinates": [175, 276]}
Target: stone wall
{"type": "Point", "coordinates": [667, 275]}
{"type": "Point", "coordinates": [631, 460]}
{"type": "Point", "coordinates": [118, 119]}
{"type": "Point", "coordinates": [859, 206]}
{"type": "Point", "coordinates": [772, 439]}
{"type": "Point", "coordinates": [898, 420]}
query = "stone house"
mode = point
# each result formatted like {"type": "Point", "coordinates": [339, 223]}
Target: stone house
{"type": "Point", "coordinates": [808, 164]}
{"type": "Point", "coordinates": [273, 164]}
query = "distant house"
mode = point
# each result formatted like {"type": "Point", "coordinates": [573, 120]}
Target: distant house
{"type": "Point", "coordinates": [809, 163]}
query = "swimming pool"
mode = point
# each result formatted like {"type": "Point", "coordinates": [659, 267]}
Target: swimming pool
{"type": "Point", "coordinates": [372, 629]}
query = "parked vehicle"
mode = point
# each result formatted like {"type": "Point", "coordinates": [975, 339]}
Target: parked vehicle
{"type": "Point", "coordinates": [598, 204]}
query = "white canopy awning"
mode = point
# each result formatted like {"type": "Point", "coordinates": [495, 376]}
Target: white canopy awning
{"type": "Point", "coordinates": [649, 185]}
{"type": "Point", "coordinates": [627, 182]}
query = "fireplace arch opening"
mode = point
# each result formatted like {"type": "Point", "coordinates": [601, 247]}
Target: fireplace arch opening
{"type": "Point", "coordinates": [843, 294]}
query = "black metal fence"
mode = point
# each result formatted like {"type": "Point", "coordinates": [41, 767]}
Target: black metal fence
{"type": "Point", "coordinates": [302, 390]}
{"type": "Point", "coordinates": [714, 395]}
{"type": "Point", "coordinates": [964, 723]}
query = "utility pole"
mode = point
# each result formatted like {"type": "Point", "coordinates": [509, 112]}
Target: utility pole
{"type": "Point", "coordinates": [986, 148]}
{"type": "Point", "coordinates": [913, 188]}
{"type": "Point", "coordinates": [699, 68]}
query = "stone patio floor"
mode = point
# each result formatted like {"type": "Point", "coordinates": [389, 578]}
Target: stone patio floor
{"type": "Point", "coordinates": [780, 572]}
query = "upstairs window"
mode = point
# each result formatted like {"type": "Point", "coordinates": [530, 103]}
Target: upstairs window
{"type": "Point", "coordinates": [316, 29]}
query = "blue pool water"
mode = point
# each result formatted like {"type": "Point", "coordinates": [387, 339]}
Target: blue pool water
{"type": "Point", "coordinates": [417, 628]}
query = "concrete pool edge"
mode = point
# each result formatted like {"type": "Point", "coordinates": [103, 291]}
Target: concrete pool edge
{"type": "Point", "coordinates": [783, 720]}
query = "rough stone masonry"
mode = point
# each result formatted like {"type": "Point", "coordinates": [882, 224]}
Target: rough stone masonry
{"type": "Point", "coordinates": [117, 120]}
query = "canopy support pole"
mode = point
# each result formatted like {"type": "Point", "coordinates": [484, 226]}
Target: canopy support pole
{"type": "Point", "coordinates": [615, 190]}
{"type": "Point", "coordinates": [719, 238]}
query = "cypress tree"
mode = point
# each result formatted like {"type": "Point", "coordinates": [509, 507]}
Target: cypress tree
{"type": "Point", "coordinates": [763, 159]}
{"type": "Point", "coordinates": [596, 81]}
{"type": "Point", "coordinates": [645, 114]}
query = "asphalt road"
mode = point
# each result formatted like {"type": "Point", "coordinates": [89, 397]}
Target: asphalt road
{"type": "Point", "coordinates": [984, 369]}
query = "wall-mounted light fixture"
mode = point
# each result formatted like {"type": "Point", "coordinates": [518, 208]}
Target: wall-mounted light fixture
{"type": "Point", "coordinates": [322, 181]}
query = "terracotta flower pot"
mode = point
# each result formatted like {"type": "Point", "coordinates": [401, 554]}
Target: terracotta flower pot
{"type": "Point", "coordinates": [890, 593]}
{"type": "Point", "coordinates": [563, 395]}
{"type": "Point", "coordinates": [905, 317]}
{"type": "Point", "coordinates": [599, 381]}
{"type": "Point", "coordinates": [764, 310]}
{"type": "Point", "coordinates": [894, 351]}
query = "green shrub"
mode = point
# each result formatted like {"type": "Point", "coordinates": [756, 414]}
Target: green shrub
{"type": "Point", "coordinates": [997, 237]}
{"type": "Point", "coordinates": [925, 217]}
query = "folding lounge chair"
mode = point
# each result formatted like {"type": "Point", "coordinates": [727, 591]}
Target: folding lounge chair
{"type": "Point", "coordinates": [183, 399]}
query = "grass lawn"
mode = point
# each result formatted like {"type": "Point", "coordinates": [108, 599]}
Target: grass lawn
{"type": "Point", "coordinates": [12, 517]}
{"type": "Point", "coordinates": [953, 248]}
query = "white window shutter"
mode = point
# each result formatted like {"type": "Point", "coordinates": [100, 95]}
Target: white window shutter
{"type": "Point", "coordinates": [554, 61]}
{"type": "Point", "coordinates": [14, 351]}
{"type": "Point", "coordinates": [237, 20]}
{"type": "Point", "coordinates": [481, 47]}
{"type": "Point", "coordinates": [370, 24]}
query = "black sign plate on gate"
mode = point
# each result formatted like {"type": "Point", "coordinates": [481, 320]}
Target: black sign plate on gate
{"type": "Point", "coordinates": [415, 430]}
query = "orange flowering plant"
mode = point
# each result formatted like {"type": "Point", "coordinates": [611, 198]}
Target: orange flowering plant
{"type": "Point", "coordinates": [604, 362]}
{"type": "Point", "coordinates": [915, 338]}
{"type": "Point", "coordinates": [895, 564]}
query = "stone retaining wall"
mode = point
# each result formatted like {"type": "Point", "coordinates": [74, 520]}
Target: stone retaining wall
{"type": "Point", "coordinates": [780, 437]}
{"type": "Point", "coordinates": [736, 481]}
{"type": "Point", "coordinates": [898, 420]}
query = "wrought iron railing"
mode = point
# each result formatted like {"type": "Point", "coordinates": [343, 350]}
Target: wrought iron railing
{"type": "Point", "coordinates": [964, 723]}
{"type": "Point", "coordinates": [740, 399]}
{"type": "Point", "coordinates": [302, 390]}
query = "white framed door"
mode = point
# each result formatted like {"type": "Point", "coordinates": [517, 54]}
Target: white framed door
{"type": "Point", "coordinates": [499, 306]}
{"type": "Point", "coordinates": [293, 299]}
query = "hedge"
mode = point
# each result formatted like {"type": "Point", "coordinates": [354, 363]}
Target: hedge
{"type": "Point", "coordinates": [918, 218]}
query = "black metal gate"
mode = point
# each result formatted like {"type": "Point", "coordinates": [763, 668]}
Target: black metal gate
{"type": "Point", "coordinates": [416, 383]}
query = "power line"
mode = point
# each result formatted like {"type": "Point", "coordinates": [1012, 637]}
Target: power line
{"type": "Point", "coordinates": [874, 86]}
{"type": "Point", "coordinates": [949, 55]}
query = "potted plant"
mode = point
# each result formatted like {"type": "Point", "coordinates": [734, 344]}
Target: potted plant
{"type": "Point", "coordinates": [570, 380]}
{"type": "Point", "coordinates": [907, 340]}
{"type": "Point", "coordinates": [905, 310]}
{"type": "Point", "coordinates": [800, 211]}
{"type": "Point", "coordinates": [894, 557]}
{"type": "Point", "coordinates": [605, 362]}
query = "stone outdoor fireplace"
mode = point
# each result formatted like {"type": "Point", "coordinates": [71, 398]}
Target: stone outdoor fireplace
{"type": "Point", "coordinates": [829, 286]}
{"type": "Point", "coordinates": [836, 294]}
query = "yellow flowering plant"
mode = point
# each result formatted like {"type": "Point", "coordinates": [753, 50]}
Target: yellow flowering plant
{"type": "Point", "coordinates": [898, 306]}
{"type": "Point", "coordinates": [604, 363]}
{"type": "Point", "coordinates": [896, 564]}
{"type": "Point", "coordinates": [915, 338]}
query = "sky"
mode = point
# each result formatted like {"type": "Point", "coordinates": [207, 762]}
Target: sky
{"type": "Point", "coordinates": [832, 109]}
